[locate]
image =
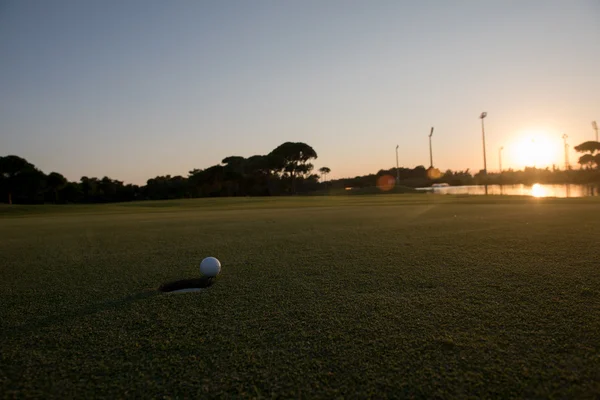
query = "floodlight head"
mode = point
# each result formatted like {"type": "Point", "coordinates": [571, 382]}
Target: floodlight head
{"type": "Point", "coordinates": [595, 125]}
{"type": "Point", "coordinates": [564, 136]}
{"type": "Point", "coordinates": [431, 133]}
{"type": "Point", "coordinates": [397, 146]}
{"type": "Point", "coordinates": [483, 115]}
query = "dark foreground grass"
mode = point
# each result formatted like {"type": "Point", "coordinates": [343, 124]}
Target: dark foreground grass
{"type": "Point", "coordinates": [391, 296]}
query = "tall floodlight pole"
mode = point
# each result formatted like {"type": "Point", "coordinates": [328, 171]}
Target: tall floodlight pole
{"type": "Point", "coordinates": [595, 126]}
{"type": "Point", "coordinates": [565, 136]}
{"type": "Point", "coordinates": [397, 168]}
{"type": "Point", "coordinates": [482, 116]}
{"type": "Point", "coordinates": [430, 151]}
{"type": "Point", "coordinates": [500, 165]}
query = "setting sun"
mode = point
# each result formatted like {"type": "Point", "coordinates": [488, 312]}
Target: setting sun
{"type": "Point", "coordinates": [535, 149]}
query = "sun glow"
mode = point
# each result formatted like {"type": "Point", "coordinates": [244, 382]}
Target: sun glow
{"type": "Point", "coordinates": [535, 149]}
{"type": "Point", "coordinates": [538, 190]}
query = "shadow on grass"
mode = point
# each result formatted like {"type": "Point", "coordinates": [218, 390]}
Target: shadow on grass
{"type": "Point", "coordinates": [199, 283]}
{"type": "Point", "coordinates": [58, 319]}
{"type": "Point", "coordinates": [92, 309]}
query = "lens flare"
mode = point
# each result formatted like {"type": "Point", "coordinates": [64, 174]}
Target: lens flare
{"type": "Point", "coordinates": [433, 173]}
{"type": "Point", "coordinates": [386, 182]}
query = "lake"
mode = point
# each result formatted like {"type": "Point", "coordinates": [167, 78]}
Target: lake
{"type": "Point", "coordinates": [536, 190]}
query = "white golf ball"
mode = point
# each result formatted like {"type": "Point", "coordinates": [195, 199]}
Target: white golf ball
{"type": "Point", "coordinates": [210, 267]}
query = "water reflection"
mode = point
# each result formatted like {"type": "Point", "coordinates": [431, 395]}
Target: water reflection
{"type": "Point", "coordinates": [536, 190]}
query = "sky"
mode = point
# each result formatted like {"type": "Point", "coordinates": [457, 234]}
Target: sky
{"type": "Point", "coordinates": [132, 89]}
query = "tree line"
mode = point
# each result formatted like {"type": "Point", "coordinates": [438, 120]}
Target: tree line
{"type": "Point", "coordinates": [589, 172]}
{"type": "Point", "coordinates": [286, 170]}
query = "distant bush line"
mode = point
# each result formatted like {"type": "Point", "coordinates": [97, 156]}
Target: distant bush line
{"type": "Point", "coordinates": [287, 170]}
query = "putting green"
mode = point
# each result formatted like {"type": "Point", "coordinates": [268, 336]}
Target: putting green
{"type": "Point", "coordinates": [382, 296]}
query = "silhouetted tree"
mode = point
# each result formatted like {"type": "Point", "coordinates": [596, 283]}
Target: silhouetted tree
{"type": "Point", "coordinates": [10, 168]}
{"type": "Point", "coordinates": [291, 160]}
{"type": "Point", "coordinates": [324, 171]}
{"type": "Point", "coordinates": [259, 175]}
{"type": "Point", "coordinates": [166, 187]}
{"type": "Point", "coordinates": [588, 147]}
{"type": "Point", "coordinates": [589, 159]}
{"type": "Point", "coordinates": [72, 193]}
{"type": "Point", "coordinates": [234, 175]}
{"type": "Point", "coordinates": [88, 187]}
{"type": "Point", "coordinates": [56, 182]}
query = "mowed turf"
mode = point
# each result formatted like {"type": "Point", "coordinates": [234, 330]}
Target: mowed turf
{"type": "Point", "coordinates": [383, 296]}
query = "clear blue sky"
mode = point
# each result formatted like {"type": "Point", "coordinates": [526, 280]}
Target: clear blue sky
{"type": "Point", "coordinates": [138, 88]}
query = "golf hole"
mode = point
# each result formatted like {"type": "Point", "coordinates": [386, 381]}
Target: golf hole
{"type": "Point", "coordinates": [187, 285]}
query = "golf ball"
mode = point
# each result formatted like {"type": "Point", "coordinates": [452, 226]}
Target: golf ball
{"type": "Point", "coordinates": [210, 266]}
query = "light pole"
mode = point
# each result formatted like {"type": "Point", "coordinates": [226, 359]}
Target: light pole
{"type": "Point", "coordinates": [565, 136]}
{"type": "Point", "coordinates": [535, 157]}
{"type": "Point", "coordinates": [567, 187]}
{"type": "Point", "coordinates": [430, 151]}
{"type": "Point", "coordinates": [500, 164]}
{"type": "Point", "coordinates": [595, 126]}
{"type": "Point", "coordinates": [482, 116]}
{"type": "Point", "coordinates": [500, 157]}
{"type": "Point", "coordinates": [397, 168]}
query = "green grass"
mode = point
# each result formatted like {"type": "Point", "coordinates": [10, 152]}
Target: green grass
{"type": "Point", "coordinates": [366, 296]}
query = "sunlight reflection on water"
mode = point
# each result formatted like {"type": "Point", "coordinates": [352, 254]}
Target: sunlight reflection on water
{"type": "Point", "coordinates": [536, 190]}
